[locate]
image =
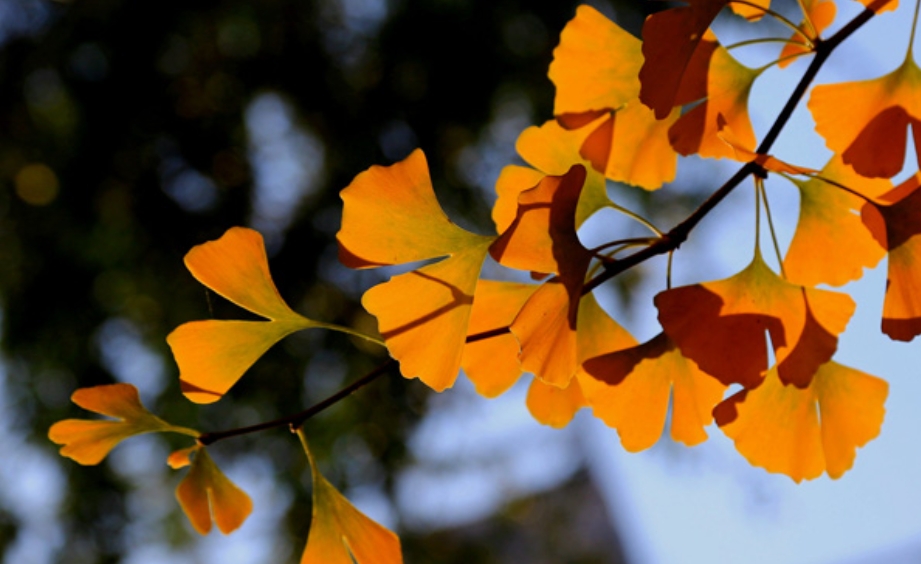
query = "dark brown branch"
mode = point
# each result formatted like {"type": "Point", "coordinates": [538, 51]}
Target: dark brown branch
{"type": "Point", "coordinates": [298, 419]}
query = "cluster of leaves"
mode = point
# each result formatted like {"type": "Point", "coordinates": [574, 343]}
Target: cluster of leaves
{"type": "Point", "coordinates": [625, 110]}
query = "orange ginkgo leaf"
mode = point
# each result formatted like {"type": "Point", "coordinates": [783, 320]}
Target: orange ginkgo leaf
{"type": "Point", "coordinates": [595, 335]}
{"type": "Point", "coordinates": [391, 216]}
{"type": "Point", "coordinates": [553, 150]}
{"type": "Point", "coordinates": [721, 325]}
{"type": "Point", "coordinates": [88, 441]}
{"type": "Point", "coordinates": [552, 405]}
{"type": "Point", "coordinates": [206, 494]}
{"type": "Point", "coordinates": [598, 93]}
{"type": "Point", "coordinates": [340, 533]}
{"type": "Point", "coordinates": [543, 239]}
{"type": "Point", "coordinates": [213, 354]}
{"type": "Point", "coordinates": [724, 103]}
{"type": "Point", "coordinates": [828, 223]}
{"type": "Point", "coordinates": [819, 14]}
{"type": "Point", "coordinates": [804, 432]}
{"type": "Point", "coordinates": [751, 10]}
{"type": "Point", "coordinates": [670, 40]}
{"type": "Point", "coordinates": [866, 122]}
{"type": "Point", "coordinates": [492, 363]}
{"type": "Point", "coordinates": [895, 221]}
{"type": "Point", "coordinates": [630, 389]}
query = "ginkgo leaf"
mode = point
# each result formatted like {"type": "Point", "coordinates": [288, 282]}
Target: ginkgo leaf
{"type": "Point", "coordinates": [546, 329]}
{"type": "Point", "coordinates": [552, 150]}
{"type": "Point", "coordinates": [728, 84]}
{"type": "Point", "coordinates": [630, 390]}
{"type": "Point", "coordinates": [391, 216]}
{"type": "Point", "coordinates": [751, 10]}
{"type": "Point", "coordinates": [828, 222]}
{"type": "Point", "coordinates": [895, 221]}
{"type": "Point", "coordinates": [721, 325]}
{"type": "Point", "coordinates": [340, 533]}
{"type": "Point", "coordinates": [423, 315]}
{"type": "Point", "coordinates": [213, 354]}
{"type": "Point", "coordinates": [866, 121]}
{"type": "Point", "coordinates": [804, 432]}
{"type": "Point", "coordinates": [492, 363]}
{"type": "Point", "coordinates": [542, 238]}
{"type": "Point", "coordinates": [552, 405]}
{"type": "Point", "coordinates": [88, 441]}
{"type": "Point", "coordinates": [670, 40]}
{"type": "Point", "coordinates": [628, 144]}
{"type": "Point", "coordinates": [585, 74]}
{"type": "Point", "coordinates": [206, 494]}
{"type": "Point", "coordinates": [595, 334]}
{"type": "Point", "coordinates": [819, 14]}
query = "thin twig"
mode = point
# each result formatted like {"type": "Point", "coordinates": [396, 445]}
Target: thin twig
{"type": "Point", "coordinates": [298, 419]}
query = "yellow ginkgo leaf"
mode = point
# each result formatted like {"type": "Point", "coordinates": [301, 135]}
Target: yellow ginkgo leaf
{"type": "Point", "coordinates": [391, 216]}
{"type": "Point", "coordinates": [828, 222]}
{"type": "Point", "coordinates": [89, 441]}
{"type": "Point", "coordinates": [492, 363]}
{"type": "Point", "coordinates": [552, 405]}
{"type": "Point", "coordinates": [866, 122]}
{"type": "Point", "coordinates": [819, 14]}
{"type": "Point", "coordinates": [721, 325]}
{"type": "Point", "coordinates": [895, 221]}
{"type": "Point", "coordinates": [585, 74]}
{"type": "Point", "coordinates": [552, 150]}
{"type": "Point", "coordinates": [630, 390]}
{"type": "Point", "coordinates": [804, 432]}
{"type": "Point", "coordinates": [340, 533]}
{"type": "Point", "coordinates": [423, 315]}
{"type": "Point", "coordinates": [206, 494]}
{"type": "Point", "coordinates": [670, 41]}
{"type": "Point", "coordinates": [724, 103]}
{"type": "Point", "coordinates": [627, 144]}
{"type": "Point", "coordinates": [212, 355]}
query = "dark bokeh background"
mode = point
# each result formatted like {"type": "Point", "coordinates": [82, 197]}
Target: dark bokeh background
{"type": "Point", "coordinates": [131, 131]}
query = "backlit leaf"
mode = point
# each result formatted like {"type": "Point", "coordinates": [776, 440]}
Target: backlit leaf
{"type": "Point", "coordinates": [628, 144]}
{"type": "Point", "coordinates": [721, 325]}
{"type": "Point", "coordinates": [630, 389]}
{"type": "Point", "coordinates": [828, 224]}
{"type": "Point", "coordinates": [340, 534]}
{"type": "Point", "coordinates": [820, 14]}
{"type": "Point", "coordinates": [804, 432]}
{"type": "Point", "coordinates": [212, 355]}
{"type": "Point", "coordinates": [552, 405]}
{"type": "Point", "coordinates": [895, 221]}
{"type": "Point", "coordinates": [206, 494]}
{"type": "Point", "coordinates": [728, 85]}
{"type": "Point", "coordinates": [552, 149]}
{"type": "Point", "coordinates": [423, 315]}
{"type": "Point", "coordinates": [391, 216]}
{"type": "Point", "coordinates": [670, 39]}
{"type": "Point", "coordinates": [866, 121]}
{"type": "Point", "coordinates": [89, 441]}
{"type": "Point", "coordinates": [492, 364]}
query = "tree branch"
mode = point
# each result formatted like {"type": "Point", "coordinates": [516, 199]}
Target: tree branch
{"type": "Point", "coordinates": [296, 420]}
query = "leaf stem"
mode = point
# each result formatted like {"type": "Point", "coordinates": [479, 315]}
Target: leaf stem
{"type": "Point", "coordinates": [296, 420]}
{"type": "Point", "coordinates": [767, 212]}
